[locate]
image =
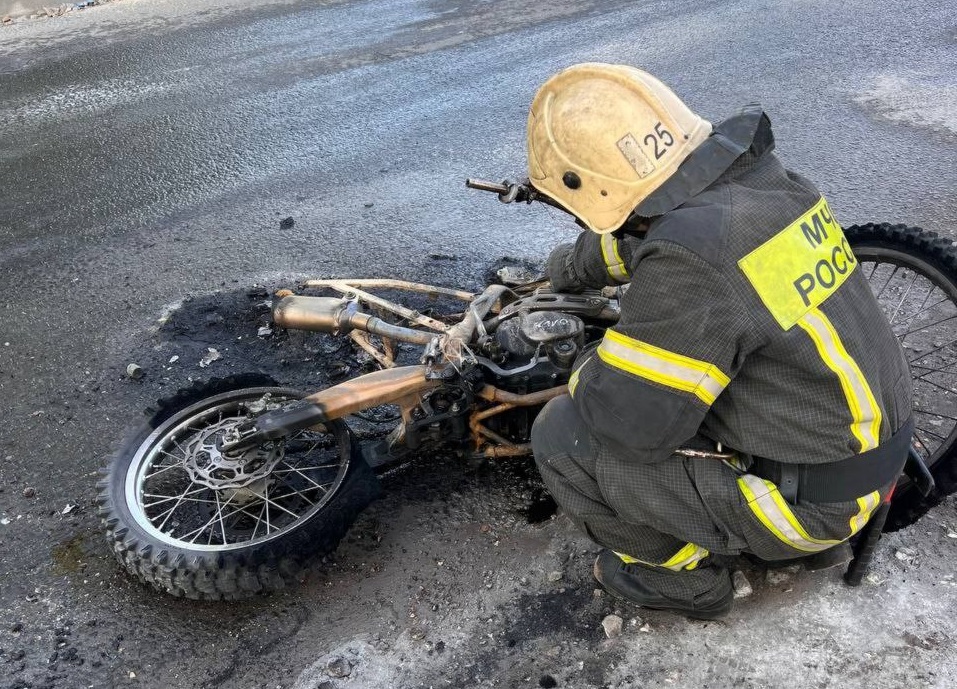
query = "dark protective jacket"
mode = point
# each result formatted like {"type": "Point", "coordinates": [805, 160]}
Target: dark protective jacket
{"type": "Point", "coordinates": [747, 320]}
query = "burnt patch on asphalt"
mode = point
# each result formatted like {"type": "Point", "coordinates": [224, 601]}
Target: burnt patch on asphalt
{"type": "Point", "coordinates": [540, 615]}
{"type": "Point", "coordinates": [230, 332]}
{"type": "Point", "coordinates": [541, 508]}
{"type": "Point", "coordinates": [542, 630]}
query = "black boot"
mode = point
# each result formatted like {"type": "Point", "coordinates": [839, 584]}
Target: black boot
{"type": "Point", "coordinates": [630, 582]}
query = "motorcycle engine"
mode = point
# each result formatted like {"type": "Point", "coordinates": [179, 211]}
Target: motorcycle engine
{"type": "Point", "coordinates": [535, 351]}
{"type": "Point", "coordinates": [539, 349]}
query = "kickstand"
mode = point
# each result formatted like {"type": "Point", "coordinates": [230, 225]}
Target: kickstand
{"type": "Point", "coordinates": [917, 471]}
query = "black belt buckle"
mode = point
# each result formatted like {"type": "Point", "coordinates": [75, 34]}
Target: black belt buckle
{"type": "Point", "coordinates": [789, 481]}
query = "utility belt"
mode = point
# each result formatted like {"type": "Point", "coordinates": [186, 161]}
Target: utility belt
{"type": "Point", "coordinates": [841, 481]}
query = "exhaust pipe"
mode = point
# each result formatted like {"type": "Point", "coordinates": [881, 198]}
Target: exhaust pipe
{"type": "Point", "coordinates": [321, 314]}
{"type": "Point", "coordinates": [338, 316]}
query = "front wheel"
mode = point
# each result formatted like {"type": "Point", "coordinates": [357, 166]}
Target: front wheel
{"type": "Point", "coordinates": [195, 522]}
{"type": "Point", "coordinates": [913, 274]}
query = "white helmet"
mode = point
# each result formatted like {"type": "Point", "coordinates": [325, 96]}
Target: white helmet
{"type": "Point", "coordinates": [602, 138]}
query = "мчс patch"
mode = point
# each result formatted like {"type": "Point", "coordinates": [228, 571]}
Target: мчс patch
{"type": "Point", "coordinates": [800, 266]}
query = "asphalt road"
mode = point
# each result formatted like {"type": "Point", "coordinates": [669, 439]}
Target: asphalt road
{"type": "Point", "coordinates": [148, 150]}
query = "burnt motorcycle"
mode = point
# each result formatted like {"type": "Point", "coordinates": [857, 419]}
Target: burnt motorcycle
{"type": "Point", "coordinates": [236, 485]}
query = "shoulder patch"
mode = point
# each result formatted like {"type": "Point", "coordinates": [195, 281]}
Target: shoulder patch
{"type": "Point", "coordinates": [800, 266]}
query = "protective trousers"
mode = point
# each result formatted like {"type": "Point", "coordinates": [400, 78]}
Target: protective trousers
{"type": "Point", "coordinates": [676, 512]}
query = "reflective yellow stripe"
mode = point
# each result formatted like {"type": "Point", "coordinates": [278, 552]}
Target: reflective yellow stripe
{"type": "Point", "coordinates": [612, 257]}
{"type": "Point", "coordinates": [573, 378]}
{"type": "Point", "coordinates": [686, 558]}
{"type": "Point", "coordinates": [867, 505]}
{"type": "Point", "coordinates": [865, 413]}
{"type": "Point", "coordinates": [769, 506]}
{"type": "Point", "coordinates": [704, 380]}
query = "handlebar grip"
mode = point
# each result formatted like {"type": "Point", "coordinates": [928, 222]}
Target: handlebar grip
{"type": "Point", "coordinates": [483, 185]}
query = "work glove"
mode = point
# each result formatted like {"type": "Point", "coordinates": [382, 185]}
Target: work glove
{"type": "Point", "coordinates": [561, 271]}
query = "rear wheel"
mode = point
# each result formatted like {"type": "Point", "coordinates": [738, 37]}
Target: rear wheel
{"type": "Point", "coordinates": [199, 523]}
{"type": "Point", "coordinates": [913, 274]}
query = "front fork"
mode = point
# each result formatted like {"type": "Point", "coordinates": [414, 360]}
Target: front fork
{"type": "Point", "coordinates": [403, 386]}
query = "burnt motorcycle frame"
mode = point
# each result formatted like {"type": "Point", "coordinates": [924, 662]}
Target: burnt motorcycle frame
{"type": "Point", "coordinates": [448, 366]}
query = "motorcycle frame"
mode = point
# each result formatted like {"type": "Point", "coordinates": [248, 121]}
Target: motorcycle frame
{"type": "Point", "coordinates": [406, 386]}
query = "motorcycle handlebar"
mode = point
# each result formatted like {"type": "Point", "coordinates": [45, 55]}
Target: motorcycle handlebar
{"type": "Point", "coordinates": [509, 192]}
{"type": "Point", "coordinates": [483, 185]}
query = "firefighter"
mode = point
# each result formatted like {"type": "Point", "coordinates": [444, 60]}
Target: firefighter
{"type": "Point", "coordinates": [747, 330]}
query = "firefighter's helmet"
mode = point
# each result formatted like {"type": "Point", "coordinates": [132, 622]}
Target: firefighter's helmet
{"type": "Point", "coordinates": [602, 138]}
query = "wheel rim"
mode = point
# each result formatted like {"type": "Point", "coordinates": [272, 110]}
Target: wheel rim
{"type": "Point", "coordinates": [920, 302]}
{"type": "Point", "coordinates": [182, 492]}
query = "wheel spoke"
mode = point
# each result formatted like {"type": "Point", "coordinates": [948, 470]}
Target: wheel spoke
{"type": "Point", "coordinates": [209, 523]}
{"type": "Point", "coordinates": [280, 507]}
{"type": "Point", "coordinates": [219, 511]}
{"type": "Point", "coordinates": [259, 520]}
{"type": "Point", "coordinates": [933, 351]}
{"type": "Point", "coordinates": [930, 432]}
{"type": "Point", "coordinates": [903, 298]}
{"type": "Point", "coordinates": [938, 385]}
{"type": "Point", "coordinates": [934, 413]}
{"type": "Point", "coordinates": [925, 309]}
{"type": "Point", "coordinates": [167, 498]}
{"type": "Point", "coordinates": [942, 369]}
{"type": "Point", "coordinates": [301, 469]}
{"type": "Point", "coordinates": [930, 325]}
{"type": "Point", "coordinates": [163, 470]}
{"type": "Point", "coordinates": [896, 268]}
{"type": "Point", "coordinates": [300, 493]}
{"type": "Point", "coordinates": [301, 474]}
{"type": "Point", "coordinates": [169, 513]}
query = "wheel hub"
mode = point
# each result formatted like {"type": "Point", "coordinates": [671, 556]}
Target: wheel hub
{"type": "Point", "coordinates": [211, 467]}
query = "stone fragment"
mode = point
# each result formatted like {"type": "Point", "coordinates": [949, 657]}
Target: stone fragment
{"type": "Point", "coordinates": [742, 587]}
{"type": "Point", "coordinates": [338, 667]}
{"type": "Point", "coordinates": [906, 555]}
{"type": "Point", "coordinates": [211, 355]}
{"type": "Point", "coordinates": [612, 625]}
{"type": "Point", "coordinates": [782, 575]}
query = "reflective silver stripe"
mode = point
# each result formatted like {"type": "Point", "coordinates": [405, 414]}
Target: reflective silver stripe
{"type": "Point", "coordinates": [612, 257]}
{"type": "Point", "coordinates": [700, 378]}
{"type": "Point", "coordinates": [772, 510]}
